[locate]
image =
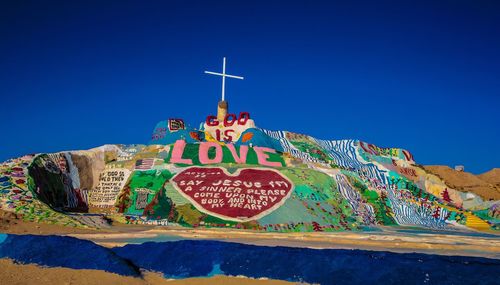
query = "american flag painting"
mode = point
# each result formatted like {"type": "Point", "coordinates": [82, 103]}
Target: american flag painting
{"type": "Point", "coordinates": [145, 163]}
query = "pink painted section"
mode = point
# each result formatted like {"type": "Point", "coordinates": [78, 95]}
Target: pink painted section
{"type": "Point", "coordinates": [177, 153]}
{"type": "Point", "coordinates": [262, 156]}
{"type": "Point", "coordinates": [242, 158]}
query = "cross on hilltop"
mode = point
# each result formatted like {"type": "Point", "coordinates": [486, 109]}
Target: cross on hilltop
{"type": "Point", "coordinates": [224, 75]}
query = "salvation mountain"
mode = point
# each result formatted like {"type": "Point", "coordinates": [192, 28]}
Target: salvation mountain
{"type": "Point", "coordinates": [228, 173]}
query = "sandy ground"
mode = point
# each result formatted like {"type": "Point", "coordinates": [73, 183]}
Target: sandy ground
{"type": "Point", "coordinates": [388, 239]}
{"type": "Point", "coordinates": [11, 224]}
{"type": "Point", "coordinates": [11, 273]}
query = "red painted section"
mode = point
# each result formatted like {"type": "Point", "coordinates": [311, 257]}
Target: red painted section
{"type": "Point", "coordinates": [245, 195]}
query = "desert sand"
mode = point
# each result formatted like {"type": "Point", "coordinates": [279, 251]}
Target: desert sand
{"type": "Point", "coordinates": [398, 239]}
{"type": "Point", "coordinates": [17, 274]}
{"type": "Point", "coordinates": [387, 240]}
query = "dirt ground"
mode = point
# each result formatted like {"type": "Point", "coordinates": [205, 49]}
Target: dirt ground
{"type": "Point", "coordinates": [486, 185]}
{"type": "Point", "coordinates": [17, 274]}
{"type": "Point", "coordinates": [492, 176]}
{"type": "Point", "coordinates": [13, 224]}
{"type": "Point", "coordinates": [386, 239]}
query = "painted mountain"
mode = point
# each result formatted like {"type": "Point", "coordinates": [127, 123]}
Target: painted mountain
{"type": "Point", "coordinates": [228, 173]}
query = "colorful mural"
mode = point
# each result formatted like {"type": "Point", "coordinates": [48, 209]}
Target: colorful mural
{"type": "Point", "coordinates": [257, 179]}
{"type": "Point", "coordinates": [16, 196]}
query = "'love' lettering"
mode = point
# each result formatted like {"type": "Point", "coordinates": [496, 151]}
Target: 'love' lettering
{"type": "Point", "coordinates": [239, 157]}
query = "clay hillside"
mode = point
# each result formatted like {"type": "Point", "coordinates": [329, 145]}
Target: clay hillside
{"type": "Point", "coordinates": [492, 177]}
{"type": "Point", "coordinates": [486, 185]}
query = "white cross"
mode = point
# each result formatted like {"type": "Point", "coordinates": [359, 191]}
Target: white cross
{"type": "Point", "coordinates": [224, 75]}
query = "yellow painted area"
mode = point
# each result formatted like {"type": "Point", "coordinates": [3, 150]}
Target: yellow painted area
{"type": "Point", "coordinates": [472, 221]}
{"type": "Point", "coordinates": [475, 222]}
{"type": "Point", "coordinates": [210, 138]}
{"type": "Point", "coordinates": [434, 189]}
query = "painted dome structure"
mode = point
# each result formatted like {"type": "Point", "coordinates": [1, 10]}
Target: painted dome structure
{"type": "Point", "coordinates": [229, 173]}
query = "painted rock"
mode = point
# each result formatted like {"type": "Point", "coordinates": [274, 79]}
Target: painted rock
{"type": "Point", "coordinates": [248, 194]}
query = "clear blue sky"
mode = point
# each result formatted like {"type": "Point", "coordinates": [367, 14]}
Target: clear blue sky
{"type": "Point", "coordinates": [420, 75]}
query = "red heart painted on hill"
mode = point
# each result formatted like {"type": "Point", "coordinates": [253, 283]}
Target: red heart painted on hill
{"type": "Point", "coordinates": [248, 194]}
